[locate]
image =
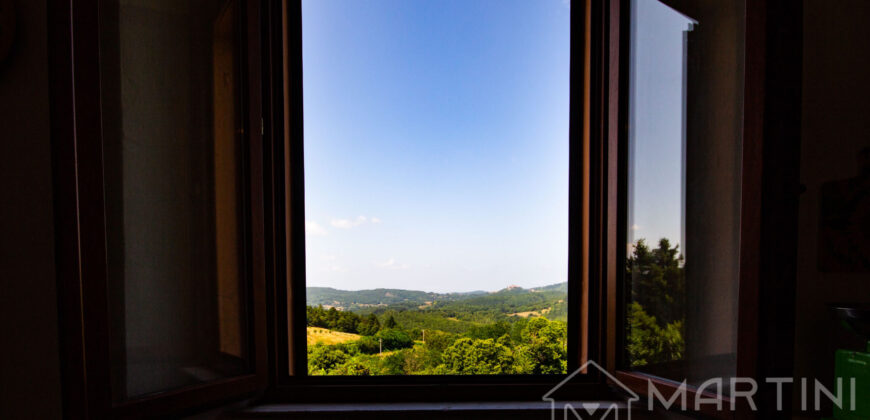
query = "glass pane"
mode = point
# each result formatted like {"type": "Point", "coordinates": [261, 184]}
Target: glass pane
{"type": "Point", "coordinates": [685, 102]}
{"type": "Point", "coordinates": [174, 193]}
{"type": "Point", "coordinates": [436, 186]}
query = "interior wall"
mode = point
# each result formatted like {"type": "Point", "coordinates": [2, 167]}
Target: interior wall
{"type": "Point", "coordinates": [835, 128]}
{"type": "Point", "coordinates": [29, 358]}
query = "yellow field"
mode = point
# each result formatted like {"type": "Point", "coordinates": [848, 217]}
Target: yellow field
{"type": "Point", "coordinates": [531, 313]}
{"type": "Point", "coordinates": [325, 336]}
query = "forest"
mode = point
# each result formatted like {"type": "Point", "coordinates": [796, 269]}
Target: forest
{"type": "Point", "coordinates": [511, 331]}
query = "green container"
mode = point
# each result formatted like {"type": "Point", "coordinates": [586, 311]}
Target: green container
{"type": "Point", "coordinates": [853, 364]}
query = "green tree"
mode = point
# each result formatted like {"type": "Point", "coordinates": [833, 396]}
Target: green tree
{"type": "Point", "coordinates": [322, 359]}
{"type": "Point", "coordinates": [649, 343]}
{"type": "Point", "coordinates": [439, 340]}
{"type": "Point", "coordinates": [393, 364]}
{"type": "Point", "coordinates": [657, 310]}
{"type": "Point", "coordinates": [469, 356]}
{"type": "Point", "coordinates": [544, 348]}
{"type": "Point", "coordinates": [354, 367]}
{"type": "Point", "coordinates": [494, 330]}
{"type": "Point", "coordinates": [369, 325]}
{"type": "Point", "coordinates": [656, 280]}
{"type": "Point", "coordinates": [421, 360]}
{"type": "Point", "coordinates": [368, 345]}
{"type": "Point", "coordinates": [391, 322]}
{"type": "Point", "coordinates": [394, 339]}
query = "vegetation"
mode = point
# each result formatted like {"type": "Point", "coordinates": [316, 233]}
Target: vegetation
{"type": "Point", "coordinates": [325, 336]}
{"type": "Point", "coordinates": [362, 299]}
{"type": "Point", "coordinates": [657, 310]}
{"type": "Point", "coordinates": [511, 331]}
{"type": "Point", "coordinates": [539, 346]}
{"type": "Point", "coordinates": [438, 334]}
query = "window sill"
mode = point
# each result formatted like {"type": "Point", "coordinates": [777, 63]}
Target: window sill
{"type": "Point", "coordinates": [428, 410]}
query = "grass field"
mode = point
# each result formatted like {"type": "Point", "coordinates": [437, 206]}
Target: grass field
{"type": "Point", "coordinates": [531, 313]}
{"type": "Point", "coordinates": [325, 336]}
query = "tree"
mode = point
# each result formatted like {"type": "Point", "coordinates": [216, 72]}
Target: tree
{"type": "Point", "coordinates": [369, 325]}
{"type": "Point", "coordinates": [494, 330]}
{"type": "Point", "coordinates": [649, 343]}
{"type": "Point", "coordinates": [394, 339]}
{"type": "Point", "coordinates": [469, 356]}
{"type": "Point", "coordinates": [354, 367]}
{"type": "Point", "coordinates": [656, 280]}
{"type": "Point", "coordinates": [439, 340]}
{"type": "Point", "coordinates": [394, 364]}
{"type": "Point", "coordinates": [657, 311]}
{"type": "Point", "coordinates": [368, 345]}
{"type": "Point", "coordinates": [322, 359]}
{"type": "Point", "coordinates": [391, 322]}
{"type": "Point", "coordinates": [421, 359]}
{"type": "Point", "coordinates": [544, 347]}
{"type": "Point", "coordinates": [347, 322]}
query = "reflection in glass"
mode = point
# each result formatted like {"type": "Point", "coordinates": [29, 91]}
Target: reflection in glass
{"type": "Point", "coordinates": [174, 193]}
{"type": "Point", "coordinates": [683, 203]}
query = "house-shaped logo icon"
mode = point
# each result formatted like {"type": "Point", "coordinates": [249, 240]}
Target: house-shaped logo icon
{"type": "Point", "coordinates": [600, 410]}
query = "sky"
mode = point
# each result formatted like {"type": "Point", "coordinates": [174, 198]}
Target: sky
{"type": "Point", "coordinates": [436, 143]}
{"type": "Point", "coordinates": [656, 126]}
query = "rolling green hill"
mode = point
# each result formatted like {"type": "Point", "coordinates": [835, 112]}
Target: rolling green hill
{"type": "Point", "coordinates": [415, 307]}
{"type": "Point", "coordinates": [358, 299]}
{"type": "Point", "coordinates": [399, 332]}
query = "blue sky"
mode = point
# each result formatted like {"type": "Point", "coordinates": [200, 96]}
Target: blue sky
{"type": "Point", "coordinates": [656, 122]}
{"type": "Point", "coordinates": [436, 143]}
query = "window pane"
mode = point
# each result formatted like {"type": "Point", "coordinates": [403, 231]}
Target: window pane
{"type": "Point", "coordinates": [685, 102]}
{"type": "Point", "coordinates": [436, 186]}
{"type": "Point", "coordinates": [174, 193]}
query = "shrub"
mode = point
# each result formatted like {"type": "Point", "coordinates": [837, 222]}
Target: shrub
{"type": "Point", "coordinates": [322, 359]}
{"type": "Point", "coordinates": [478, 357]}
{"type": "Point", "coordinates": [395, 339]}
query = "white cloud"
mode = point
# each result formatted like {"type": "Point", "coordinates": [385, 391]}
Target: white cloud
{"type": "Point", "coordinates": [352, 223]}
{"type": "Point", "coordinates": [314, 229]}
{"type": "Point", "coordinates": [390, 264]}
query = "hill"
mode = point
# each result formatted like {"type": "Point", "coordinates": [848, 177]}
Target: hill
{"type": "Point", "coordinates": [419, 308]}
{"type": "Point", "coordinates": [358, 299]}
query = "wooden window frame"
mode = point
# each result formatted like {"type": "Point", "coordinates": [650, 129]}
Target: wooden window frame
{"type": "Point", "coordinates": [80, 227]}
{"type": "Point", "coordinates": [769, 196]}
{"type": "Point", "coordinates": [289, 314]}
{"type": "Point", "coordinates": [597, 169]}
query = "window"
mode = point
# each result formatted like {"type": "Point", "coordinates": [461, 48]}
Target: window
{"type": "Point", "coordinates": [189, 163]}
{"type": "Point", "coordinates": [436, 187]}
{"type": "Point", "coordinates": [175, 194]}
{"type": "Point", "coordinates": [161, 265]}
{"type": "Point", "coordinates": [684, 192]}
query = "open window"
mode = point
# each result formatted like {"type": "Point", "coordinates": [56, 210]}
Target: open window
{"type": "Point", "coordinates": [215, 159]}
{"type": "Point", "coordinates": [159, 185]}
{"type": "Point", "coordinates": [682, 225]}
{"type": "Point", "coordinates": [434, 198]}
{"type": "Point", "coordinates": [696, 106]}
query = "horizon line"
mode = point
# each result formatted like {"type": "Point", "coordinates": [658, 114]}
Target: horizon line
{"type": "Point", "coordinates": [425, 291]}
